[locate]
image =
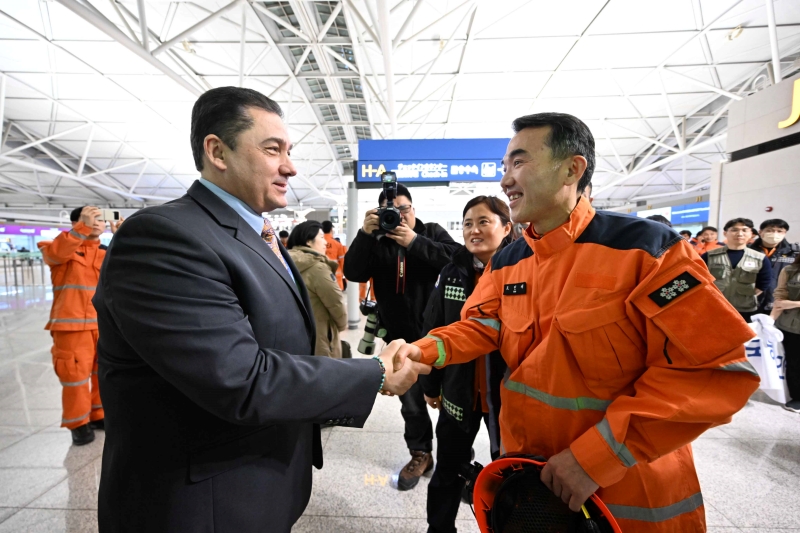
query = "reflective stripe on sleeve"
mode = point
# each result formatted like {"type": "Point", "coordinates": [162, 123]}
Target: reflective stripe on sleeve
{"type": "Point", "coordinates": [743, 366]}
{"type": "Point", "coordinates": [78, 235]}
{"type": "Point", "coordinates": [559, 402]}
{"type": "Point", "coordinates": [439, 348]}
{"type": "Point", "coordinates": [70, 420]}
{"type": "Point", "coordinates": [492, 323]}
{"type": "Point", "coordinates": [73, 321]}
{"type": "Point", "coordinates": [97, 406]}
{"type": "Point", "coordinates": [51, 260]}
{"type": "Point", "coordinates": [657, 514]}
{"type": "Point", "coordinates": [620, 450]}
{"type": "Point", "coordinates": [74, 383]}
{"type": "Point", "coordinates": [79, 287]}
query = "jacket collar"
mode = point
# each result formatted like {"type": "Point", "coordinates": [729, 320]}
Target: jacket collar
{"type": "Point", "coordinates": [558, 239]}
{"type": "Point", "coordinates": [227, 217]}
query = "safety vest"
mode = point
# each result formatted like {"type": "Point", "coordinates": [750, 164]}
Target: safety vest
{"type": "Point", "coordinates": [790, 318]}
{"type": "Point", "coordinates": [738, 285]}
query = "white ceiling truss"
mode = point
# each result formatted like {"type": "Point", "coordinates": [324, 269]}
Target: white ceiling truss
{"type": "Point", "coordinates": [96, 95]}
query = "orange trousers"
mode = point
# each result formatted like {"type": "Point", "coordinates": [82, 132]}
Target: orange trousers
{"type": "Point", "coordinates": [75, 363]}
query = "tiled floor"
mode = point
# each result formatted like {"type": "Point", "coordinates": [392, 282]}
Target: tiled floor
{"type": "Point", "coordinates": [750, 469]}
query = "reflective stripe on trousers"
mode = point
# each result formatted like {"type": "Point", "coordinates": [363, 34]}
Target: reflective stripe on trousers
{"type": "Point", "coordinates": [78, 287]}
{"type": "Point", "coordinates": [71, 420]}
{"type": "Point", "coordinates": [656, 514]}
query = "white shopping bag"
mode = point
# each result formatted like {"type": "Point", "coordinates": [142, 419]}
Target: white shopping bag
{"type": "Point", "coordinates": [765, 353]}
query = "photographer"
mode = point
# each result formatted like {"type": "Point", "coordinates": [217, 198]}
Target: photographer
{"type": "Point", "coordinates": [403, 264]}
{"type": "Point", "coordinates": [74, 258]}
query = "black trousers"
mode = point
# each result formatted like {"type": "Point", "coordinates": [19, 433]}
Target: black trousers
{"type": "Point", "coordinates": [791, 347]}
{"type": "Point", "coordinates": [748, 315]}
{"type": "Point", "coordinates": [453, 449]}
{"type": "Point", "coordinates": [419, 430]}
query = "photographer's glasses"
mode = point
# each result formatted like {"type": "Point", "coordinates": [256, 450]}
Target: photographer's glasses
{"type": "Point", "coordinates": [403, 208]}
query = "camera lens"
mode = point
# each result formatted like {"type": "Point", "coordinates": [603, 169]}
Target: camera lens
{"type": "Point", "coordinates": [390, 220]}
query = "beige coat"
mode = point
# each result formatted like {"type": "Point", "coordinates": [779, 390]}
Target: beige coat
{"type": "Point", "coordinates": [327, 300]}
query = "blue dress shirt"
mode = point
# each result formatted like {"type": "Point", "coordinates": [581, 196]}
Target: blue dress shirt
{"type": "Point", "coordinates": [253, 219]}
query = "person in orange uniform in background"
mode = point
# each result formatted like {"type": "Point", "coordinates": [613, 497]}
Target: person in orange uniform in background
{"type": "Point", "coordinates": [335, 251]}
{"type": "Point", "coordinates": [74, 258]}
{"type": "Point", "coordinates": [620, 349]}
{"type": "Point", "coordinates": [707, 240]}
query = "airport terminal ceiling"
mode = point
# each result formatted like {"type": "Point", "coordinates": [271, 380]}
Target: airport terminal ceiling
{"type": "Point", "coordinates": [96, 95]}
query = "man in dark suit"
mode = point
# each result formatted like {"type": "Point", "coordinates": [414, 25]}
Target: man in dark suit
{"type": "Point", "coordinates": [212, 402]}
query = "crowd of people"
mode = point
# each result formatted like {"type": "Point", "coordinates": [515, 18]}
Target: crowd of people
{"type": "Point", "coordinates": [610, 341]}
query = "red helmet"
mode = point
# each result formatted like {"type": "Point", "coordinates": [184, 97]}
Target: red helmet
{"type": "Point", "coordinates": [509, 497]}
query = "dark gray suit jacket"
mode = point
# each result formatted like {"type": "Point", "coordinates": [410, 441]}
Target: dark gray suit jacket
{"type": "Point", "coordinates": [211, 395]}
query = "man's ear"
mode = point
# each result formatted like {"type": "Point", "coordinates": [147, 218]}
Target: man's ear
{"type": "Point", "coordinates": [214, 150]}
{"type": "Point", "coordinates": [577, 166]}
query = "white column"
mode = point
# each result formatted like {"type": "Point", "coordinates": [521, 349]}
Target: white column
{"type": "Point", "coordinates": [353, 314]}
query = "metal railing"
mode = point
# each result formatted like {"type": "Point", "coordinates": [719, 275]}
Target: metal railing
{"type": "Point", "coordinates": [24, 269]}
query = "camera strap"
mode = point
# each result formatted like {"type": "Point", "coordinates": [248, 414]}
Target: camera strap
{"type": "Point", "coordinates": [400, 287]}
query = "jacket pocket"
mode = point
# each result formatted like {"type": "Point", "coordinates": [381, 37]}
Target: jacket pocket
{"type": "Point", "coordinates": [215, 460]}
{"type": "Point", "coordinates": [516, 333]}
{"type": "Point", "coordinates": [605, 344]}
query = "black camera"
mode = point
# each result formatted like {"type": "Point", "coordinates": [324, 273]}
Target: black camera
{"type": "Point", "coordinates": [389, 216]}
{"type": "Point", "coordinates": [366, 345]}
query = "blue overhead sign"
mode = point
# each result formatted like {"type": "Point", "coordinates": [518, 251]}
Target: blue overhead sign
{"type": "Point", "coordinates": [690, 213]}
{"type": "Point", "coordinates": [431, 160]}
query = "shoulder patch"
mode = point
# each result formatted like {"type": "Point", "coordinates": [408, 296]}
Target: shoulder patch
{"type": "Point", "coordinates": [626, 232]}
{"type": "Point", "coordinates": [511, 254]}
{"type": "Point", "coordinates": [674, 289]}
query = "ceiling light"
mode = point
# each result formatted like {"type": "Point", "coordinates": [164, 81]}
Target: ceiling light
{"type": "Point", "coordinates": [187, 46]}
{"type": "Point", "coordinates": [734, 33]}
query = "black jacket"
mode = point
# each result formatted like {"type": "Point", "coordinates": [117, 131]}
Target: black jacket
{"type": "Point", "coordinates": [456, 383]}
{"type": "Point", "coordinates": [401, 300]}
{"type": "Point", "coordinates": [212, 398]}
{"type": "Point", "coordinates": [784, 256]}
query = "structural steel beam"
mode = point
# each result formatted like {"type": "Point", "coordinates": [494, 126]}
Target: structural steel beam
{"type": "Point", "coordinates": [190, 31]}
{"type": "Point", "coordinates": [115, 33]}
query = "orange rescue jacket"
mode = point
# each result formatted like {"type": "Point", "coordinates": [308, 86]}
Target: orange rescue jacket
{"type": "Point", "coordinates": [604, 323]}
{"type": "Point", "coordinates": [335, 252]}
{"type": "Point", "coordinates": [74, 262]}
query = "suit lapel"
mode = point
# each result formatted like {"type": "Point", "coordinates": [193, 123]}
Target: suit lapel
{"type": "Point", "coordinates": [226, 216]}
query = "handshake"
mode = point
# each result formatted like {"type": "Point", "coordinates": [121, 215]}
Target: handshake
{"type": "Point", "coordinates": [402, 365]}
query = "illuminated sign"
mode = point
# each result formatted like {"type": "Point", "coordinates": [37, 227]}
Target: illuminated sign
{"type": "Point", "coordinates": [795, 107]}
{"type": "Point", "coordinates": [431, 160]}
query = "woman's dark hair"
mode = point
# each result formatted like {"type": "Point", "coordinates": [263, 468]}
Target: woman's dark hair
{"type": "Point", "coordinates": [304, 232]}
{"type": "Point", "coordinates": [568, 136]}
{"type": "Point", "coordinates": [496, 206]}
{"type": "Point", "coordinates": [223, 112]}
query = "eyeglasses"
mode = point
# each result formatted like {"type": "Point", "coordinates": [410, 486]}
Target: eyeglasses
{"type": "Point", "coordinates": [403, 208]}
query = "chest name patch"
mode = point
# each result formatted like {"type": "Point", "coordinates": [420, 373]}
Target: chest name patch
{"type": "Point", "coordinates": [513, 289]}
{"type": "Point", "coordinates": [455, 293]}
{"type": "Point", "coordinates": [674, 289]}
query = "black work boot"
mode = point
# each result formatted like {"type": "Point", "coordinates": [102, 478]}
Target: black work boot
{"type": "Point", "coordinates": [98, 424]}
{"type": "Point", "coordinates": [82, 435]}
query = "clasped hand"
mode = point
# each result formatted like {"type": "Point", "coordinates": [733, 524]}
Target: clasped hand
{"type": "Point", "coordinates": [402, 365]}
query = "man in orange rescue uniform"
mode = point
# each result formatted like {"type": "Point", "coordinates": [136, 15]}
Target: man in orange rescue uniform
{"type": "Point", "coordinates": [334, 250]}
{"type": "Point", "coordinates": [621, 350]}
{"type": "Point", "coordinates": [74, 259]}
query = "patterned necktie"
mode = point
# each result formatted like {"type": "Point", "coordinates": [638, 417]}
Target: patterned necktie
{"type": "Point", "coordinates": [268, 234]}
